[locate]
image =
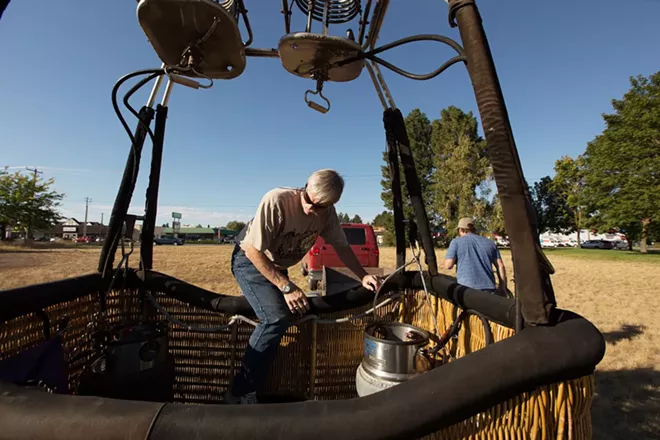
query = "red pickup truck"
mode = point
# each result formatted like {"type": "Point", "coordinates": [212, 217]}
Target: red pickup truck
{"type": "Point", "coordinates": [362, 239]}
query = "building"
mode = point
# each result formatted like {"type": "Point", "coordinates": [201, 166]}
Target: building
{"type": "Point", "coordinates": [226, 233]}
{"type": "Point", "coordinates": [71, 229]}
{"type": "Point", "coordinates": [191, 234]}
{"type": "Point", "coordinates": [194, 234]}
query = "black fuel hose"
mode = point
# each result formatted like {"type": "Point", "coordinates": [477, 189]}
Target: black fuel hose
{"type": "Point", "coordinates": [453, 330]}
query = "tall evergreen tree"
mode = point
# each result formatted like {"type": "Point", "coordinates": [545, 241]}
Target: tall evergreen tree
{"type": "Point", "coordinates": [461, 168]}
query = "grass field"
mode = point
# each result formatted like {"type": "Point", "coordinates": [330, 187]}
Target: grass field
{"type": "Point", "coordinates": [616, 290]}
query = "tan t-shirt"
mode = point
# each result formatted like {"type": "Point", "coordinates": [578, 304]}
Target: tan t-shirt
{"type": "Point", "coordinates": [283, 231]}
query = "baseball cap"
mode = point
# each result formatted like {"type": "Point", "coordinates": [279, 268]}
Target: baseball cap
{"type": "Point", "coordinates": [465, 223]}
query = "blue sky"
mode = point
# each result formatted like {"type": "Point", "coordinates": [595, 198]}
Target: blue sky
{"type": "Point", "coordinates": [560, 63]}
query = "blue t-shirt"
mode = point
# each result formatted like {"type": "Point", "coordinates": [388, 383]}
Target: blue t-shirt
{"type": "Point", "coordinates": [474, 256]}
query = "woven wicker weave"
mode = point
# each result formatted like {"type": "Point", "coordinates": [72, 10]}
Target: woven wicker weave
{"type": "Point", "coordinates": [559, 411]}
{"type": "Point", "coordinates": [314, 361]}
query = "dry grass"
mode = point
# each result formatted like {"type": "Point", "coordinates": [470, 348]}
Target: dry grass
{"type": "Point", "coordinates": [618, 296]}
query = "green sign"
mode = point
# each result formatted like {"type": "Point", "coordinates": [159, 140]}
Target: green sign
{"type": "Point", "coordinates": [176, 215]}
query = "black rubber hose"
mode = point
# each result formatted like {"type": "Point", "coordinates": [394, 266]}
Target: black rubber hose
{"type": "Point", "coordinates": [115, 105]}
{"type": "Point", "coordinates": [132, 91]}
{"type": "Point", "coordinates": [124, 195]}
{"type": "Point", "coordinates": [453, 330]}
{"type": "Point", "coordinates": [446, 336]}
{"type": "Point", "coordinates": [486, 324]}
{"type": "Point", "coordinates": [371, 55]}
{"type": "Point", "coordinates": [414, 38]}
{"type": "Point", "coordinates": [151, 208]}
{"type": "Point", "coordinates": [129, 178]}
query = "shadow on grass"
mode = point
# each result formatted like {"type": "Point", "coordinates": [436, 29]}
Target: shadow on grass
{"type": "Point", "coordinates": [627, 331]}
{"type": "Point", "coordinates": [627, 404]}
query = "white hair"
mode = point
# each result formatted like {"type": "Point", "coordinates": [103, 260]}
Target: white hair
{"type": "Point", "coordinates": [326, 185]}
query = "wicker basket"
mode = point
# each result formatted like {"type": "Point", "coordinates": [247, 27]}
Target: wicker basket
{"type": "Point", "coordinates": [314, 361]}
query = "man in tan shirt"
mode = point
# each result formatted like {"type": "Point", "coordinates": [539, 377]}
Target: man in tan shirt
{"type": "Point", "coordinates": [285, 227]}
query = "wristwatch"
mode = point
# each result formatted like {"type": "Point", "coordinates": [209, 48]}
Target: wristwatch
{"type": "Point", "coordinates": [287, 288]}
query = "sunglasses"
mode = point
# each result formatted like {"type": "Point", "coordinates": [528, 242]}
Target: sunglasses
{"type": "Point", "coordinates": [309, 201]}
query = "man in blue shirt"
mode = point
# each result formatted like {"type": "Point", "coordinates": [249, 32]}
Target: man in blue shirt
{"type": "Point", "coordinates": [475, 257]}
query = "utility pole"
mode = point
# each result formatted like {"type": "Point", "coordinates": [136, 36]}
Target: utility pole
{"type": "Point", "coordinates": [36, 173]}
{"type": "Point", "coordinates": [34, 170]}
{"type": "Point", "coordinates": [87, 202]}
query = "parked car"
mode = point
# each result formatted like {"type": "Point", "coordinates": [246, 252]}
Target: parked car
{"type": "Point", "coordinates": [597, 244]}
{"type": "Point", "coordinates": [84, 239]}
{"type": "Point", "coordinates": [362, 239]}
{"type": "Point", "coordinates": [548, 243]}
{"type": "Point", "coordinates": [620, 245]}
{"type": "Point", "coordinates": [502, 242]}
{"type": "Point", "coordinates": [168, 240]}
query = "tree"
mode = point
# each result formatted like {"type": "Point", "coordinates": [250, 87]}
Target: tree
{"type": "Point", "coordinates": [419, 131]}
{"type": "Point", "coordinates": [343, 217]}
{"type": "Point", "coordinates": [356, 219]}
{"type": "Point", "coordinates": [569, 184]}
{"type": "Point", "coordinates": [166, 225]}
{"type": "Point", "coordinates": [494, 219]}
{"type": "Point", "coordinates": [461, 168]}
{"type": "Point", "coordinates": [28, 202]}
{"type": "Point", "coordinates": [623, 162]}
{"type": "Point", "coordinates": [235, 225]}
{"type": "Point", "coordinates": [199, 225]}
{"type": "Point", "coordinates": [552, 212]}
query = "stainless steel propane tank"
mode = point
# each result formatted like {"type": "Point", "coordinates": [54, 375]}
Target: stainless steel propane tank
{"type": "Point", "coordinates": [391, 355]}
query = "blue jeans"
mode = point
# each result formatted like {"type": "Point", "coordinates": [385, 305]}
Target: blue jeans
{"type": "Point", "coordinates": [274, 315]}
